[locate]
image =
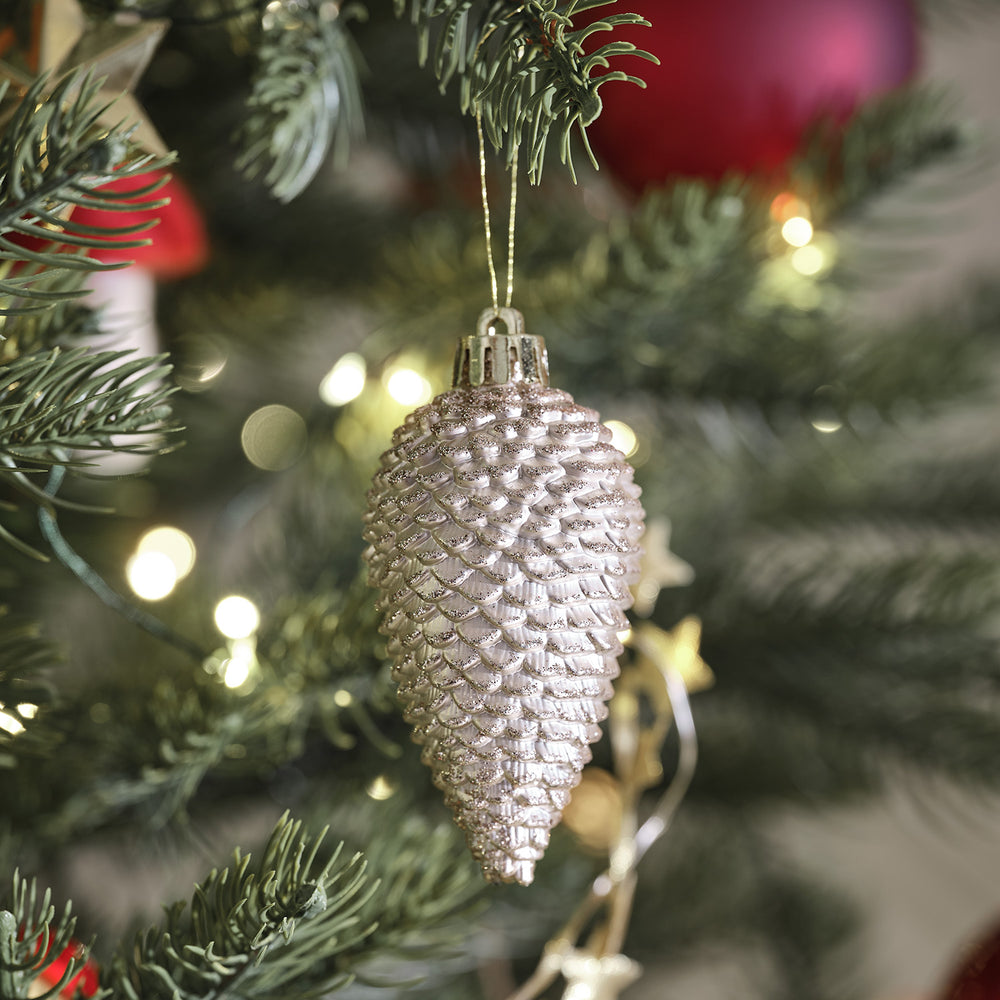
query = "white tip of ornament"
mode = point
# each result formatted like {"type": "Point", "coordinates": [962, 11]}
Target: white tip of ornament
{"type": "Point", "coordinates": [511, 870]}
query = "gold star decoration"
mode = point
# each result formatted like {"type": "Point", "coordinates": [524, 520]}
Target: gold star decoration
{"type": "Point", "coordinates": [595, 810]}
{"type": "Point", "coordinates": [56, 37]}
{"type": "Point", "coordinates": [637, 747]}
{"type": "Point", "coordinates": [658, 568]}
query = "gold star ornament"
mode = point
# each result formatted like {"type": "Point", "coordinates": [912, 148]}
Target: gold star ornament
{"type": "Point", "coordinates": [658, 568]}
{"type": "Point", "coordinates": [56, 37]}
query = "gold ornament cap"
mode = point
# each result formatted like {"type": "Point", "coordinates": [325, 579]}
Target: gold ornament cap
{"type": "Point", "coordinates": [488, 357]}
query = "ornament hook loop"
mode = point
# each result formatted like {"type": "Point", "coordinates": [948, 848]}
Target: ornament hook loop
{"type": "Point", "coordinates": [512, 319]}
{"type": "Point", "coordinates": [492, 358]}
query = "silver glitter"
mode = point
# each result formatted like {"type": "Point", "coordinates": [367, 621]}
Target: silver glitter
{"type": "Point", "coordinates": [503, 586]}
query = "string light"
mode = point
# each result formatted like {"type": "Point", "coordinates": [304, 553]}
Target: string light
{"type": "Point", "coordinates": [381, 788]}
{"type": "Point", "coordinates": [827, 426]}
{"type": "Point", "coordinates": [342, 698]}
{"type": "Point", "coordinates": [274, 437]}
{"type": "Point", "coordinates": [623, 437]}
{"type": "Point", "coordinates": [797, 231]}
{"type": "Point", "coordinates": [236, 668]}
{"type": "Point", "coordinates": [9, 724]}
{"type": "Point", "coordinates": [786, 205]}
{"type": "Point", "coordinates": [344, 381]}
{"type": "Point", "coordinates": [809, 260]}
{"type": "Point", "coordinates": [827, 420]}
{"type": "Point", "coordinates": [236, 617]}
{"type": "Point", "coordinates": [407, 387]}
{"type": "Point", "coordinates": [173, 543]}
{"type": "Point", "coordinates": [151, 575]}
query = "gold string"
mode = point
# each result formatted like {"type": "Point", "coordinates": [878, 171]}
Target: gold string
{"type": "Point", "coordinates": [486, 208]}
{"type": "Point", "coordinates": [510, 225]}
{"type": "Point", "coordinates": [486, 217]}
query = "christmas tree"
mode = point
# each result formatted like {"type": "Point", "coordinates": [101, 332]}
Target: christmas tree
{"type": "Point", "coordinates": [202, 735]}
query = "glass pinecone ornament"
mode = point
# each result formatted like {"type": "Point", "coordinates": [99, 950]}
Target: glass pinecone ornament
{"type": "Point", "coordinates": [503, 530]}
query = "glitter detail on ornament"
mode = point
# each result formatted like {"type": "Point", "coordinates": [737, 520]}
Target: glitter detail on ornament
{"type": "Point", "coordinates": [503, 530]}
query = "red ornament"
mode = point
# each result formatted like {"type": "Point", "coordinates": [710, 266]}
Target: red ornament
{"type": "Point", "coordinates": [739, 81]}
{"type": "Point", "coordinates": [84, 983]}
{"type": "Point", "coordinates": [977, 976]}
{"type": "Point", "coordinates": [178, 246]}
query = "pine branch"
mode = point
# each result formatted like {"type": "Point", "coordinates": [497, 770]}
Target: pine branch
{"type": "Point", "coordinates": [524, 66]}
{"type": "Point", "coordinates": [32, 938]}
{"type": "Point", "coordinates": [68, 322]}
{"type": "Point", "coordinates": [54, 155]}
{"type": "Point", "coordinates": [23, 655]}
{"type": "Point", "coordinates": [54, 402]}
{"type": "Point", "coordinates": [260, 929]}
{"type": "Point", "coordinates": [306, 96]}
{"type": "Point", "coordinates": [888, 139]}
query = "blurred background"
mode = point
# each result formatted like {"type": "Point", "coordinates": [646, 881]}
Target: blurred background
{"type": "Point", "coordinates": [783, 289]}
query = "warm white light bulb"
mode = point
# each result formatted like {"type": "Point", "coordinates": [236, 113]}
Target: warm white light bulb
{"type": "Point", "coordinates": [173, 543]}
{"type": "Point", "coordinates": [407, 387]}
{"type": "Point", "coordinates": [9, 724]}
{"type": "Point", "coordinates": [344, 381]}
{"type": "Point", "coordinates": [381, 788]}
{"type": "Point", "coordinates": [808, 260]}
{"type": "Point", "coordinates": [622, 437]}
{"type": "Point", "coordinates": [151, 575]}
{"type": "Point", "coordinates": [235, 672]}
{"type": "Point", "coordinates": [236, 617]}
{"type": "Point", "coordinates": [797, 231]}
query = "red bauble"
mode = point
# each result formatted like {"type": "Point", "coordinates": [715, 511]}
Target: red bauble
{"type": "Point", "coordinates": [178, 244]}
{"type": "Point", "coordinates": [739, 81]}
{"type": "Point", "coordinates": [85, 983]}
{"type": "Point", "coordinates": [977, 976]}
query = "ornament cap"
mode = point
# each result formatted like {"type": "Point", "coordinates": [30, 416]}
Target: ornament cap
{"type": "Point", "coordinates": [491, 358]}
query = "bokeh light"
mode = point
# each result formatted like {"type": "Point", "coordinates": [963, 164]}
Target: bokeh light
{"type": "Point", "coordinates": [827, 426]}
{"type": "Point", "coordinates": [797, 231]}
{"type": "Point", "coordinates": [173, 543]}
{"type": "Point", "coordinates": [407, 387]}
{"type": "Point", "coordinates": [236, 617]}
{"type": "Point", "coordinates": [274, 437]}
{"type": "Point", "coordinates": [622, 437]}
{"type": "Point", "coordinates": [381, 788]}
{"type": "Point", "coordinates": [10, 724]}
{"type": "Point", "coordinates": [151, 575]}
{"type": "Point", "coordinates": [809, 260]}
{"type": "Point", "coordinates": [344, 381]}
{"type": "Point", "coordinates": [786, 205]}
{"type": "Point", "coordinates": [236, 668]}
{"type": "Point", "coordinates": [202, 360]}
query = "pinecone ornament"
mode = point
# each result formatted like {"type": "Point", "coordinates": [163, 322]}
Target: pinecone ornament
{"type": "Point", "coordinates": [504, 533]}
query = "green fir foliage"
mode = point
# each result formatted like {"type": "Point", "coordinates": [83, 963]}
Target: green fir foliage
{"type": "Point", "coordinates": [306, 95]}
{"type": "Point", "coordinates": [40, 180]}
{"type": "Point", "coordinates": [523, 67]}
{"type": "Point", "coordinates": [33, 935]}
{"type": "Point", "coordinates": [269, 928]}
{"type": "Point", "coordinates": [833, 481]}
